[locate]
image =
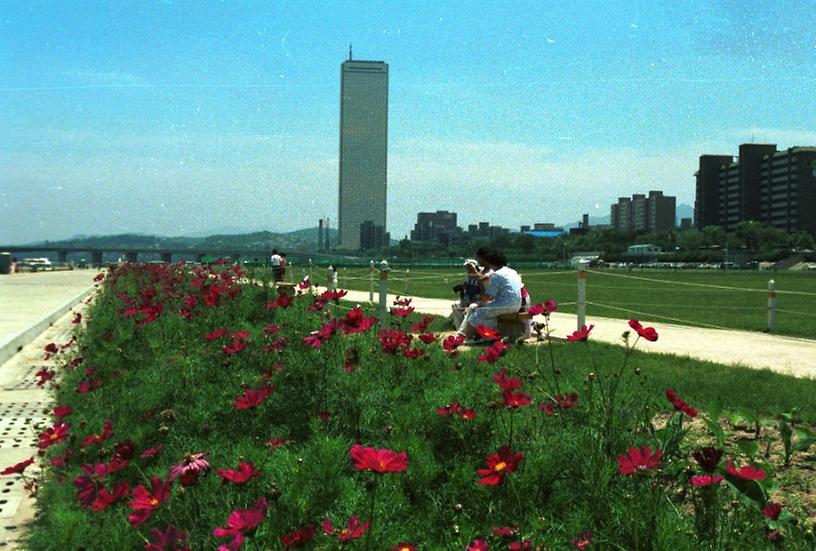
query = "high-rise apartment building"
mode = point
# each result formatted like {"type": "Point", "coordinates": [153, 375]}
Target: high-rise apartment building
{"type": "Point", "coordinates": [363, 150]}
{"type": "Point", "coordinates": [762, 184]}
{"type": "Point", "coordinates": [655, 213]}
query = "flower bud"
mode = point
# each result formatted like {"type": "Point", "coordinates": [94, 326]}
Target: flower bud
{"type": "Point", "coordinates": [458, 507]}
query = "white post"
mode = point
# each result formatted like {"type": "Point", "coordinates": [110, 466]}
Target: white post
{"type": "Point", "coordinates": [771, 306]}
{"type": "Point", "coordinates": [407, 275]}
{"type": "Point", "coordinates": [311, 281]}
{"type": "Point", "coordinates": [581, 302]}
{"type": "Point", "coordinates": [371, 271]}
{"type": "Point", "coordinates": [383, 311]}
{"type": "Point", "coordinates": [331, 284]}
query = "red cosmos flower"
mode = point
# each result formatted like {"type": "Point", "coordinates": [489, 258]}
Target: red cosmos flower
{"type": "Point", "coordinates": [403, 301]}
{"type": "Point", "coordinates": [422, 325]}
{"type": "Point", "coordinates": [172, 539]}
{"type": "Point", "coordinates": [708, 458]}
{"type": "Point", "coordinates": [647, 333]}
{"type": "Point", "coordinates": [378, 461]}
{"type": "Point", "coordinates": [152, 452]}
{"type": "Point", "coordinates": [45, 375]}
{"type": "Point", "coordinates": [393, 340]}
{"type": "Point", "coordinates": [505, 531]}
{"type": "Point", "coordinates": [324, 416]}
{"type": "Point", "coordinates": [706, 480]}
{"type": "Point", "coordinates": [639, 460]}
{"type": "Point", "coordinates": [51, 348]}
{"type": "Point", "coordinates": [562, 401]}
{"type": "Point", "coordinates": [333, 295]}
{"type": "Point", "coordinates": [499, 464]}
{"type": "Point", "coordinates": [124, 450]}
{"type": "Point", "coordinates": [234, 347]}
{"type": "Point", "coordinates": [53, 435]}
{"type": "Point", "coordinates": [144, 502]}
{"type": "Point", "coordinates": [402, 312]}
{"type": "Point", "coordinates": [107, 498]}
{"type": "Point", "coordinates": [217, 334]}
{"type": "Point", "coordinates": [493, 352]}
{"type": "Point", "coordinates": [306, 283]}
{"type": "Point", "coordinates": [427, 338]}
{"type": "Point", "coordinates": [276, 442]}
{"type": "Point", "coordinates": [679, 404]}
{"type": "Point", "coordinates": [252, 397]}
{"type": "Point", "coordinates": [191, 467]}
{"type": "Point", "coordinates": [299, 537]}
{"type": "Point", "coordinates": [357, 322]}
{"type": "Point", "coordinates": [748, 472]}
{"type": "Point", "coordinates": [478, 545]}
{"type": "Point", "coordinates": [402, 546]}
{"type": "Point", "coordinates": [505, 382]}
{"type": "Point", "coordinates": [449, 409]}
{"type": "Point", "coordinates": [522, 545]}
{"type": "Point", "coordinates": [107, 430]}
{"type": "Point", "coordinates": [63, 411]}
{"type": "Point", "coordinates": [468, 414]}
{"type": "Point", "coordinates": [547, 308]}
{"type": "Point", "coordinates": [772, 511]}
{"type": "Point", "coordinates": [85, 387]}
{"type": "Point", "coordinates": [18, 468]}
{"type": "Point", "coordinates": [281, 301]}
{"type": "Point", "coordinates": [514, 400]}
{"type": "Point", "coordinates": [487, 333]}
{"type": "Point", "coordinates": [243, 474]}
{"type": "Point", "coordinates": [242, 522]}
{"type": "Point", "coordinates": [581, 335]}
{"type": "Point", "coordinates": [412, 353]}
{"type": "Point", "coordinates": [582, 541]}
{"type": "Point", "coordinates": [313, 340]}
{"type": "Point", "coordinates": [354, 529]}
{"type": "Point", "coordinates": [452, 342]}
{"type": "Point", "coordinates": [270, 329]}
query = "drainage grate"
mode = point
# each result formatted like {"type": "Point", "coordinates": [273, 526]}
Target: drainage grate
{"type": "Point", "coordinates": [17, 423]}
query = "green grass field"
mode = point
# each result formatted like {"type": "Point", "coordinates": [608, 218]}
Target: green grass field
{"type": "Point", "coordinates": [733, 300]}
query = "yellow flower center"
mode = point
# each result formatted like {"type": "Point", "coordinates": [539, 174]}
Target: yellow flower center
{"type": "Point", "coordinates": [54, 436]}
{"type": "Point", "coordinates": [154, 502]}
{"type": "Point", "coordinates": [382, 464]}
{"type": "Point", "coordinates": [500, 466]}
{"type": "Point", "coordinates": [345, 532]}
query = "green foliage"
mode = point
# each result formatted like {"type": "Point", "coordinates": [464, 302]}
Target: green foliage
{"type": "Point", "coordinates": [164, 383]}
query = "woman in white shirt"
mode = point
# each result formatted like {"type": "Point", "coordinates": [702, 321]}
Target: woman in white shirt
{"type": "Point", "coordinates": [502, 294]}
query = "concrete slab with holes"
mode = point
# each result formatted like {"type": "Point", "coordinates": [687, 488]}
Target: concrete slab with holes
{"type": "Point", "coordinates": [40, 310]}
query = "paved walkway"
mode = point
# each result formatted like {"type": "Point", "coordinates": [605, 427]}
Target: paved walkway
{"type": "Point", "coordinates": [787, 355]}
{"type": "Point", "coordinates": [35, 309]}
{"type": "Point", "coordinates": [30, 302]}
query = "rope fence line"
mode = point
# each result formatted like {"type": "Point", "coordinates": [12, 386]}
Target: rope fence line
{"type": "Point", "coordinates": [648, 315]}
{"type": "Point", "coordinates": [809, 314]}
{"type": "Point", "coordinates": [710, 286]}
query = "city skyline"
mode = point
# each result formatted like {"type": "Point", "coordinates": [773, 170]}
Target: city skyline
{"type": "Point", "coordinates": [171, 118]}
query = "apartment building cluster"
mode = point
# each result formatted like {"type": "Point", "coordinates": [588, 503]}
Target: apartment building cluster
{"type": "Point", "coordinates": [641, 213]}
{"type": "Point", "coordinates": [774, 187]}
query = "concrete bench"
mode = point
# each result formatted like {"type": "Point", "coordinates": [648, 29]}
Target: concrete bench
{"type": "Point", "coordinates": [513, 325]}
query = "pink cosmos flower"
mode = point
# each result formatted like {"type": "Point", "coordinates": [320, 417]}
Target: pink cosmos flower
{"type": "Point", "coordinates": [243, 474]}
{"type": "Point", "coordinates": [639, 460]}
{"type": "Point", "coordinates": [191, 467]}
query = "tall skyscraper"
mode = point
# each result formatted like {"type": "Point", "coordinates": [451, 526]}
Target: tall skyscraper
{"type": "Point", "coordinates": [363, 149]}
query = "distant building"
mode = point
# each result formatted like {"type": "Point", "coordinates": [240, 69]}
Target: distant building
{"type": "Point", "coordinates": [373, 236]}
{"type": "Point", "coordinates": [685, 223]}
{"type": "Point", "coordinates": [643, 251]}
{"type": "Point", "coordinates": [762, 184]}
{"type": "Point", "coordinates": [435, 226]}
{"type": "Point", "coordinates": [485, 230]}
{"type": "Point", "coordinates": [363, 149]}
{"type": "Point", "coordinates": [640, 214]}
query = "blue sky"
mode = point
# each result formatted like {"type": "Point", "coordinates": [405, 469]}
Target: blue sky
{"type": "Point", "coordinates": [177, 117]}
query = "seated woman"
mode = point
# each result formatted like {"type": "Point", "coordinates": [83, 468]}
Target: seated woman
{"type": "Point", "coordinates": [470, 291]}
{"type": "Point", "coordinates": [502, 294]}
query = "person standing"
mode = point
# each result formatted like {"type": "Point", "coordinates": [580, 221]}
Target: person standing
{"type": "Point", "coordinates": [284, 263]}
{"type": "Point", "coordinates": [275, 261]}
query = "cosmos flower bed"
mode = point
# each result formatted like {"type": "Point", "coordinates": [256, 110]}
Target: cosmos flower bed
{"type": "Point", "coordinates": [198, 411]}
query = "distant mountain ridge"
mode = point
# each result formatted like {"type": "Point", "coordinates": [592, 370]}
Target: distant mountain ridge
{"type": "Point", "coordinates": [302, 240]}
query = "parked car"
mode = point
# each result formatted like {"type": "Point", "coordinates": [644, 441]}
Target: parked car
{"type": "Point", "coordinates": [36, 262]}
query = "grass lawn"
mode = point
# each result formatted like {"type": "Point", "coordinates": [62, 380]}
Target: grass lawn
{"type": "Point", "coordinates": [658, 295]}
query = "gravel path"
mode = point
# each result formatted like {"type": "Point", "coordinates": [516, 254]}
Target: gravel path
{"type": "Point", "coordinates": [786, 355]}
